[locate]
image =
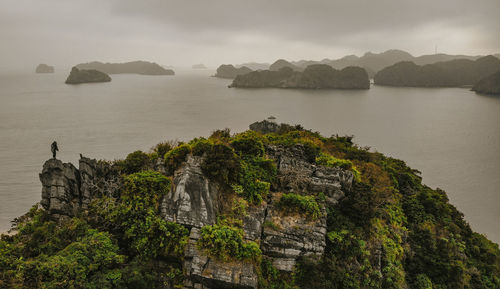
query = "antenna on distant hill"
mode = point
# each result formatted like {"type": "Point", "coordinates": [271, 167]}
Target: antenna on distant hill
{"type": "Point", "coordinates": [435, 49]}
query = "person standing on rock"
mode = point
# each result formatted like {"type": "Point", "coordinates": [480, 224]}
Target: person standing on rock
{"type": "Point", "coordinates": [54, 149]}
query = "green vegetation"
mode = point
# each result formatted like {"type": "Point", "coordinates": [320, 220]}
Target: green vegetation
{"type": "Point", "coordinates": [298, 204]}
{"type": "Point", "coordinates": [327, 160]}
{"type": "Point", "coordinates": [226, 243]}
{"type": "Point", "coordinates": [176, 156]}
{"type": "Point", "coordinates": [117, 245]}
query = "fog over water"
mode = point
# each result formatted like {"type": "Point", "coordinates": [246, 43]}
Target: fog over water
{"type": "Point", "coordinates": [449, 134]}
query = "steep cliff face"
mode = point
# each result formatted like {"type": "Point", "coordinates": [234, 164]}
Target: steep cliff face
{"type": "Point", "coordinates": [195, 201]}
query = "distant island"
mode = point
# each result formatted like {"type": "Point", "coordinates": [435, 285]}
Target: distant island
{"type": "Point", "coordinates": [199, 66]}
{"type": "Point", "coordinates": [44, 68]}
{"type": "Point", "coordinates": [134, 67]}
{"type": "Point", "coordinates": [229, 71]}
{"type": "Point", "coordinates": [78, 76]}
{"type": "Point", "coordinates": [453, 73]}
{"type": "Point", "coordinates": [315, 76]}
{"type": "Point", "coordinates": [489, 84]}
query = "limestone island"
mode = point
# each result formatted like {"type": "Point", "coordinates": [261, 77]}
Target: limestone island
{"type": "Point", "coordinates": [276, 206]}
{"type": "Point", "coordinates": [453, 73]}
{"type": "Point", "coordinates": [229, 71]}
{"type": "Point", "coordinates": [199, 66]}
{"type": "Point", "coordinates": [488, 85]}
{"type": "Point", "coordinates": [44, 68]}
{"type": "Point", "coordinates": [315, 76]}
{"type": "Point", "coordinates": [133, 67]}
{"type": "Point", "coordinates": [77, 76]}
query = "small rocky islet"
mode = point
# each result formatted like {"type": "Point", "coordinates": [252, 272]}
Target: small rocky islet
{"type": "Point", "coordinates": [44, 68]}
{"type": "Point", "coordinates": [277, 206]}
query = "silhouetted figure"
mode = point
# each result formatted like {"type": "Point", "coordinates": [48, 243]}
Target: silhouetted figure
{"type": "Point", "coordinates": [54, 149]}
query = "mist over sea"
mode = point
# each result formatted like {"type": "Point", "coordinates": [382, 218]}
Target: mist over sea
{"type": "Point", "coordinates": [451, 135]}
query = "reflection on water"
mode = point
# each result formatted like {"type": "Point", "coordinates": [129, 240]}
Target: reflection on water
{"type": "Point", "coordinates": [450, 134]}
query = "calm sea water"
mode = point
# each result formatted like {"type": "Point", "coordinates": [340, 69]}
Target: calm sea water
{"type": "Point", "coordinates": [452, 135]}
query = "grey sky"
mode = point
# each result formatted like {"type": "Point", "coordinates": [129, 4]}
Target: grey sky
{"type": "Point", "coordinates": [184, 32]}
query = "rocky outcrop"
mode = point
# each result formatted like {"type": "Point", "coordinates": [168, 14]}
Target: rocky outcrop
{"type": "Point", "coordinates": [195, 201]}
{"type": "Point", "coordinates": [60, 188]}
{"type": "Point", "coordinates": [78, 76]}
{"type": "Point", "coordinates": [207, 272]}
{"type": "Point", "coordinates": [67, 190]}
{"type": "Point", "coordinates": [44, 68]}
{"type": "Point", "coordinates": [133, 67]}
{"type": "Point", "coordinates": [454, 73]}
{"type": "Point", "coordinates": [229, 71]}
{"type": "Point", "coordinates": [488, 85]}
{"type": "Point", "coordinates": [315, 76]}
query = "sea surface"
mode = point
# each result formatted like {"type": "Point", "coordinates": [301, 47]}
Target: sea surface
{"type": "Point", "coordinates": [451, 135]}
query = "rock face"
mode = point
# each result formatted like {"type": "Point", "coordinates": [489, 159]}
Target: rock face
{"type": "Point", "coordinates": [315, 76]}
{"type": "Point", "coordinates": [454, 73]}
{"type": "Point", "coordinates": [488, 85]}
{"type": "Point", "coordinates": [66, 189]}
{"type": "Point", "coordinates": [44, 68]}
{"type": "Point", "coordinates": [78, 76]}
{"type": "Point", "coordinates": [195, 201]}
{"type": "Point", "coordinates": [133, 67]}
{"type": "Point", "coordinates": [229, 71]}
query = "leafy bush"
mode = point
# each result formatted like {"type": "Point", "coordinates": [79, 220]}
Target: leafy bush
{"type": "Point", "coordinates": [294, 203]}
{"type": "Point", "coordinates": [134, 162]}
{"type": "Point", "coordinates": [175, 157]}
{"type": "Point", "coordinates": [164, 147]}
{"type": "Point", "coordinates": [226, 243]}
{"type": "Point", "coordinates": [221, 164]}
{"type": "Point", "coordinates": [248, 143]}
{"type": "Point", "coordinates": [331, 161]}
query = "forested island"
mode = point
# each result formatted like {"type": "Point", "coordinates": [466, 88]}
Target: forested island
{"type": "Point", "coordinates": [315, 76]}
{"type": "Point", "coordinates": [277, 206]}
{"type": "Point", "coordinates": [77, 76]}
{"type": "Point", "coordinates": [454, 73]}
{"type": "Point", "coordinates": [134, 67]}
{"type": "Point", "coordinates": [488, 85]}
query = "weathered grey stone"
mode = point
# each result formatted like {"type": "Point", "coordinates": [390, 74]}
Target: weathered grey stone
{"type": "Point", "coordinates": [291, 236]}
{"type": "Point", "coordinates": [193, 200]}
{"type": "Point", "coordinates": [60, 188]}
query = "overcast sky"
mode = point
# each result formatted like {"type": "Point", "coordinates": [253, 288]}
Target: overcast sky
{"type": "Point", "coordinates": [185, 32]}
